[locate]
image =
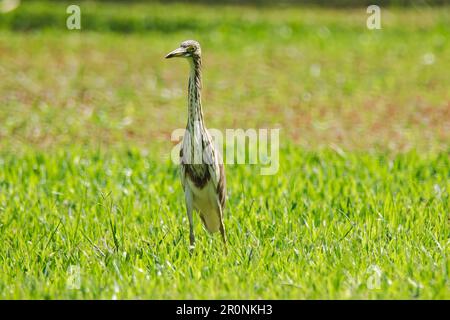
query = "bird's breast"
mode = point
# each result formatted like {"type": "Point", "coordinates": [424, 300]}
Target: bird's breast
{"type": "Point", "coordinates": [205, 202]}
{"type": "Point", "coordinates": [198, 174]}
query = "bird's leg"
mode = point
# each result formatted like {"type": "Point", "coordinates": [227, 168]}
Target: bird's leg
{"type": "Point", "coordinates": [189, 209]}
{"type": "Point", "coordinates": [224, 236]}
{"type": "Point", "coordinates": [222, 231]}
{"type": "Point", "coordinates": [191, 231]}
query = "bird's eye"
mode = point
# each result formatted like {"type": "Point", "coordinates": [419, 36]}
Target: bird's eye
{"type": "Point", "coordinates": [191, 49]}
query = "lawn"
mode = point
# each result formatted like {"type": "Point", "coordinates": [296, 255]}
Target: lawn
{"type": "Point", "coordinates": [92, 207]}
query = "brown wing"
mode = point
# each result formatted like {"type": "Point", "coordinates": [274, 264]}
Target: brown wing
{"type": "Point", "coordinates": [216, 170]}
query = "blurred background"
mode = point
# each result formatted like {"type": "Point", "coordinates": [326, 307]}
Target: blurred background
{"type": "Point", "coordinates": [312, 68]}
{"type": "Point", "coordinates": [86, 118]}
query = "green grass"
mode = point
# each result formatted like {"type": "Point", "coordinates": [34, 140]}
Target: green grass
{"type": "Point", "coordinates": [329, 219]}
{"type": "Point", "coordinates": [364, 179]}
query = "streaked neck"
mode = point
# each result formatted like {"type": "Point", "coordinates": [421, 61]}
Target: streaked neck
{"type": "Point", "coordinates": [194, 92]}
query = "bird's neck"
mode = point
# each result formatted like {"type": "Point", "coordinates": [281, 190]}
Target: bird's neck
{"type": "Point", "coordinates": [195, 113]}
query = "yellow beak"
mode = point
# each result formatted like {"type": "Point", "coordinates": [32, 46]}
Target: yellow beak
{"type": "Point", "coordinates": [180, 52]}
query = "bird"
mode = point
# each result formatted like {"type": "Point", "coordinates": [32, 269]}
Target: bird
{"type": "Point", "coordinates": [202, 171]}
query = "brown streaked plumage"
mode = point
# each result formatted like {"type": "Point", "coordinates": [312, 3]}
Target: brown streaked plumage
{"type": "Point", "coordinates": [202, 170]}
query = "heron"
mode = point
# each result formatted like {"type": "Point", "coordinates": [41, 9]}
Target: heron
{"type": "Point", "coordinates": [201, 167]}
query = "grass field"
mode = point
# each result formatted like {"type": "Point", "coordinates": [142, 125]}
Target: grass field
{"type": "Point", "coordinates": [358, 209]}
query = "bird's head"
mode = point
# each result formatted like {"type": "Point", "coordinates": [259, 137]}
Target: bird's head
{"type": "Point", "coordinates": [187, 49]}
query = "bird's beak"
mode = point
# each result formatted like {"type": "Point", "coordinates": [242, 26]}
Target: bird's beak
{"type": "Point", "coordinates": [180, 52]}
